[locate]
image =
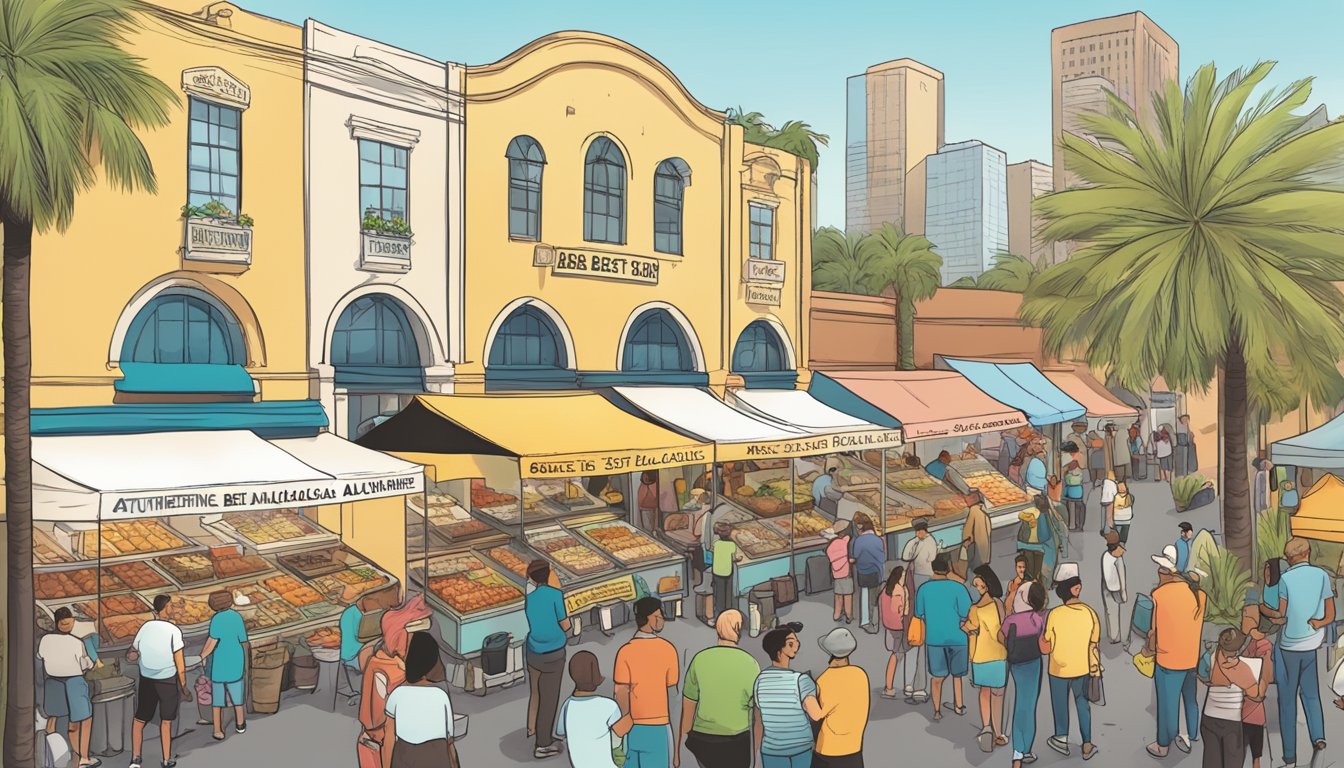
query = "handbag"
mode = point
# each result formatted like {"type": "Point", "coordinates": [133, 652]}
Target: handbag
{"type": "Point", "coordinates": [914, 632]}
{"type": "Point", "coordinates": [1145, 664]}
{"type": "Point", "coordinates": [1096, 691]}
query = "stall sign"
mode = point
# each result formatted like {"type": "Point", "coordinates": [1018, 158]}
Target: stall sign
{"type": "Point", "coordinates": [217, 240]}
{"type": "Point", "coordinates": [620, 589]}
{"type": "Point", "coordinates": [965, 426]}
{"type": "Point", "coordinates": [213, 499]}
{"type": "Point", "coordinates": [857, 440]}
{"type": "Point", "coordinates": [765, 271]}
{"type": "Point", "coordinates": [612, 462]}
{"type": "Point", "coordinates": [570, 262]}
{"type": "Point", "coordinates": [769, 295]}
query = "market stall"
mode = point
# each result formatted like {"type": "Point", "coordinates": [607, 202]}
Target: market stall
{"type": "Point", "coordinates": [513, 478]}
{"type": "Point", "coordinates": [1320, 448]}
{"type": "Point", "coordinates": [121, 519]}
{"type": "Point", "coordinates": [781, 528]}
{"type": "Point", "coordinates": [936, 410]}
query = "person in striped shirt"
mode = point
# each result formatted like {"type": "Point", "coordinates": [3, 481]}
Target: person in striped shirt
{"type": "Point", "coordinates": [786, 703]}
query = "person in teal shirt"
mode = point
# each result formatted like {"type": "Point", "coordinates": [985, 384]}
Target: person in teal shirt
{"type": "Point", "coordinates": [226, 653]}
{"type": "Point", "coordinates": [547, 628]}
{"type": "Point", "coordinates": [938, 467]}
{"type": "Point", "coordinates": [349, 625]}
{"type": "Point", "coordinates": [944, 604]}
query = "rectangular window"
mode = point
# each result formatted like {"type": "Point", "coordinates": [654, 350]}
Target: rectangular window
{"type": "Point", "coordinates": [214, 144]}
{"type": "Point", "coordinates": [762, 232]}
{"type": "Point", "coordinates": [382, 180]}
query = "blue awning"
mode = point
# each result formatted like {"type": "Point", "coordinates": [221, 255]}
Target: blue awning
{"type": "Point", "coordinates": [270, 419]}
{"type": "Point", "coordinates": [380, 379]}
{"type": "Point", "coordinates": [1320, 448]}
{"type": "Point", "coordinates": [184, 379]}
{"type": "Point", "coordinates": [1021, 386]}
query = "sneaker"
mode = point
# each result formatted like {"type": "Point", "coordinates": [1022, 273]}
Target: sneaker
{"type": "Point", "coordinates": [136, 762]}
{"type": "Point", "coordinates": [1060, 744]}
{"type": "Point", "coordinates": [1029, 758]}
{"type": "Point", "coordinates": [1183, 743]}
{"type": "Point", "coordinates": [169, 764]}
{"type": "Point", "coordinates": [240, 728]}
{"type": "Point", "coordinates": [541, 753]}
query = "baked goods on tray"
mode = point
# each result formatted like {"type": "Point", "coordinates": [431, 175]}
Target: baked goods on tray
{"type": "Point", "coordinates": [133, 537]}
{"type": "Point", "coordinates": [293, 591]}
{"type": "Point", "coordinates": [122, 629]}
{"type": "Point", "coordinates": [233, 566]}
{"type": "Point", "coordinates": [758, 540]}
{"type": "Point", "coordinates": [626, 543]}
{"type": "Point", "coordinates": [189, 568]}
{"type": "Point", "coordinates": [272, 525]}
{"type": "Point", "coordinates": [112, 605]}
{"type": "Point", "coordinates": [137, 576]}
{"type": "Point", "coordinates": [326, 637]}
{"type": "Point", "coordinates": [77, 582]}
{"type": "Point", "coordinates": [46, 551]}
{"type": "Point", "coordinates": [509, 560]}
{"type": "Point", "coordinates": [467, 595]}
{"type": "Point", "coordinates": [573, 555]}
{"type": "Point", "coordinates": [186, 610]}
{"type": "Point", "coordinates": [319, 562]}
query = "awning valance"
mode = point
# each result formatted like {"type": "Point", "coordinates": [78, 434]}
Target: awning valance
{"type": "Point", "coordinates": [1021, 386]}
{"type": "Point", "coordinates": [560, 434]}
{"type": "Point", "coordinates": [160, 474]}
{"type": "Point", "coordinates": [1320, 448]}
{"type": "Point", "coordinates": [738, 436]}
{"type": "Point", "coordinates": [925, 404]}
{"type": "Point", "coordinates": [1088, 392]}
{"type": "Point", "coordinates": [800, 410]}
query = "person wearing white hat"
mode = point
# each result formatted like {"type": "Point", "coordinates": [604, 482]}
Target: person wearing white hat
{"type": "Point", "coordinates": [843, 692]}
{"type": "Point", "coordinates": [1174, 638]}
{"type": "Point", "coordinates": [1072, 638]}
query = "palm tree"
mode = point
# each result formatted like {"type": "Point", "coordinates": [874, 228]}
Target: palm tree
{"type": "Point", "coordinates": [837, 264]}
{"type": "Point", "coordinates": [908, 266]}
{"type": "Point", "coordinates": [798, 138]}
{"type": "Point", "coordinates": [965, 281]}
{"type": "Point", "coordinates": [70, 102]}
{"type": "Point", "coordinates": [1210, 241]}
{"type": "Point", "coordinates": [757, 131]}
{"type": "Point", "coordinates": [1010, 272]}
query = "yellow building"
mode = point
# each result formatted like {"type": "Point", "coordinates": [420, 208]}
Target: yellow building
{"type": "Point", "coordinates": [613, 225]}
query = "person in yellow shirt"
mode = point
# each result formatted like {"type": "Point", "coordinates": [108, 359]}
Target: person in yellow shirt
{"type": "Point", "coordinates": [843, 692]}
{"type": "Point", "coordinates": [1072, 639]}
{"type": "Point", "coordinates": [989, 658]}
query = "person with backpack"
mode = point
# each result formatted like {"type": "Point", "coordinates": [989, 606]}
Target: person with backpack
{"type": "Point", "coordinates": [989, 657]}
{"type": "Point", "coordinates": [1072, 639]}
{"type": "Point", "coordinates": [1174, 640]}
{"type": "Point", "coordinates": [842, 577]}
{"type": "Point", "coordinates": [1021, 638]}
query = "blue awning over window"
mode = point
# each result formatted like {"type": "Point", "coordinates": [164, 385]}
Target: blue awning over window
{"type": "Point", "coordinates": [270, 419]}
{"type": "Point", "coordinates": [380, 378]}
{"type": "Point", "coordinates": [184, 378]}
{"type": "Point", "coordinates": [1021, 386]}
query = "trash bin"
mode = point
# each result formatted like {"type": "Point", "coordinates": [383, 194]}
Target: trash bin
{"type": "Point", "coordinates": [763, 597]}
{"type": "Point", "coordinates": [268, 672]}
{"type": "Point", "coordinates": [305, 672]}
{"type": "Point", "coordinates": [495, 653]}
{"type": "Point", "coordinates": [113, 707]}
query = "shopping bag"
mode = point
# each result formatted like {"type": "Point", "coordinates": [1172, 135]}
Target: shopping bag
{"type": "Point", "coordinates": [914, 632]}
{"type": "Point", "coordinates": [1096, 691]}
{"type": "Point", "coordinates": [1145, 664]}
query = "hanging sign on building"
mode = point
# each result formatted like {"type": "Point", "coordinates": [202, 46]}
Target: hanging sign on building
{"type": "Point", "coordinates": [573, 262]}
{"type": "Point", "coordinates": [216, 84]}
{"type": "Point", "coordinates": [765, 271]}
{"type": "Point", "coordinates": [769, 295]}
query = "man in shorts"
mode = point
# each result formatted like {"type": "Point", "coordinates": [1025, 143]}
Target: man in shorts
{"type": "Point", "coordinates": [65, 659]}
{"type": "Point", "coordinates": [943, 604]}
{"type": "Point", "coordinates": [157, 648]}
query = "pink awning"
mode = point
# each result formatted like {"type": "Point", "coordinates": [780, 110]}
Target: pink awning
{"type": "Point", "coordinates": [930, 404]}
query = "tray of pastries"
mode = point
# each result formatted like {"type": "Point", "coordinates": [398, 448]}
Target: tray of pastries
{"type": "Point", "coordinates": [466, 595]}
{"type": "Point", "coordinates": [345, 585]}
{"type": "Point", "coordinates": [134, 537]}
{"type": "Point", "coordinates": [189, 568]}
{"type": "Point", "coordinates": [268, 614]}
{"type": "Point", "coordinates": [802, 525]}
{"type": "Point", "coordinates": [188, 609]}
{"type": "Point", "coordinates": [326, 637]}
{"type": "Point", "coordinates": [121, 629]}
{"type": "Point", "coordinates": [293, 591]}
{"type": "Point", "coordinates": [319, 562]}
{"type": "Point", "coordinates": [112, 605]}
{"type": "Point", "coordinates": [775, 497]}
{"type": "Point", "coordinates": [462, 562]}
{"type": "Point", "coordinates": [77, 582]}
{"type": "Point", "coordinates": [624, 542]}
{"type": "Point", "coordinates": [275, 528]}
{"type": "Point", "coordinates": [138, 576]}
{"type": "Point", "coordinates": [758, 540]}
{"type": "Point", "coordinates": [509, 559]}
{"type": "Point", "coordinates": [487, 499]}
{"type": "Point", "coordinates": [232, 566]}
{"type": "Point", "coordinates": [999, 491]}
{"type": "Point", "coordinates": [567, 493]}
{"type": "Point", "coordinates": [46, 551]}
{"type": "Point", "coordinates": [569, 552]}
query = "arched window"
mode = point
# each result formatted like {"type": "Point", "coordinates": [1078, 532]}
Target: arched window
{"type": "Point", "coordinates": [669, 190]}
{"type": "Point", "coordinates": [526, 162]}
{"type": "Point", "coordinates": [184, 326]}
{"type": "Point", "coordinates": [528, 338]}
{"type": "Point", "coordinates": [657, 343]}
{"type": "Point", "coordinates": [758, 350]}
{"type": "Point", "coordinates": [604, 193]}
{"type": "Point", "coordinates": [373, 331]}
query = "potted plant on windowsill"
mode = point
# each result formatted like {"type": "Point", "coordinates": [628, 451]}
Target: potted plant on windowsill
{"type": "Point", "coordinates": [385, 243]}
{"type": "Point", "coordinates": [375, 224]}
{"type": "Point", "coordinates": [214, 234]}
{"type": "Point", "coordinates": [216, 213]}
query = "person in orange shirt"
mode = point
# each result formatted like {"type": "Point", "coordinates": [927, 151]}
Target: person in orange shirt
{"type": "Point", "coordinates": [646, 669]}
{"type": "Point", "coordinates": [1178, 620]}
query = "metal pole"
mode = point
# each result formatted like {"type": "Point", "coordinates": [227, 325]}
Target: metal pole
{"type": "Point", "coordinates": [882, 494]}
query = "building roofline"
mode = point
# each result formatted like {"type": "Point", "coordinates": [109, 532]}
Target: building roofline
{"type": "Point", "coordinates": [954, 144]}
{"type": "Point", "coordinates": [904, 63]}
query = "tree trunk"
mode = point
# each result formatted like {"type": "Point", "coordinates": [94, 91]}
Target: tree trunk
{"type": "Point", "coordinates": [905, 333]}
{"type": "Point", "coordinates": [19, 749]}
{"type": "Point", "coordinates": [1238, 519]}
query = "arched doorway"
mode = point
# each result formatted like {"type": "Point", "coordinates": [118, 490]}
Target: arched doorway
{"type": "Point", "coordinates": [377, 360]}
{"type": "Point", "coordinates": [528, 351]}
{"type": "Point", "coordinates": [761, 358]}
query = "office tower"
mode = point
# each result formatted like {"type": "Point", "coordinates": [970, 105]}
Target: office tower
{"type": "Point", "coordinates": [1027, 180]}
{"type": "Point", "coordinates": [894, 119]}
{"type": "Point", "coordinates": [966, 211]}
{"type": "Point", "coordinates": [1133, 55]}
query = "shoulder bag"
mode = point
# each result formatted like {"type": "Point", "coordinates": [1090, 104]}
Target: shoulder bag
{"type": "Point", "coordinates": [914, 632]}
{"type": "Point", "coordinates": [1096, 689]}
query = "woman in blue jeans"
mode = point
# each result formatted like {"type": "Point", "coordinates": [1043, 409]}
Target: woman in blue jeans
{"type": "Point", "coordinates": [1021, 635]}
{"type": "Point", "coordinates": [1071, 638]}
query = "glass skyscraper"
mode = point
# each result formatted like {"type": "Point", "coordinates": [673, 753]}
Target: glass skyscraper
{"type": "Point", "coordinates": [966, 207]}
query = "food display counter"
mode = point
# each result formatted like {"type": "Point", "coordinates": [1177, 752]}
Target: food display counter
{"type": "Point", "coordinates": [1002, 497]}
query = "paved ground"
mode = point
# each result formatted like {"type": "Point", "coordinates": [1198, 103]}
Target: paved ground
{"type": "Point", "coordinates": [303, 734]}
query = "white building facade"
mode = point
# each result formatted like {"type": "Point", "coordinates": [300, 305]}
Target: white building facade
{"type": "Point", "coordinates": [383, 143]}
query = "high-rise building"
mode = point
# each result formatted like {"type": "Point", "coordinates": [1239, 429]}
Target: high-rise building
{"type": "Point", "coordinates": [893, 120]}
{"type": "Point", "coordinates": [1027, 181]}
{"type": "Point", "coordinates": [966, 208]}
{"type": "Point", "coordinates": [1131, 52]}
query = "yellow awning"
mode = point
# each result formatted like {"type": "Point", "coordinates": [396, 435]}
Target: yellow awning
{"type": "Point", "coordinates": [561, 434]}
{"type": "Point", "coordinates": [1321, 513]}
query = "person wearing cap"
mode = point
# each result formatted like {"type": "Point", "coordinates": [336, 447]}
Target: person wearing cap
{"type": "Point", "coordinates": [1114, 590]}
{"type": "Point", "coordinates": [1307, 603]}
{"type": "Point", "coordinates": [1174, 639]}
{"type": "Point", "coordinates": [590, 722]}
{"type": "Point", "coordinates": [1071, 638]}
{"type": "Point", "coordinates": [786, 703]}
{"type": "Point", "coordinates": [843, 693]}
{"type": "Point", "coordinates": [943, 604]}
{"type": "Point", "coordinates": [647, 668]}
{"type": "Point", "coordinates": [1183, 539]}
{"type": "Point", "coordinates": [226, 651]}
{"type": "Point", "coordinates": [65, 659]}
{"type": "Point", "coordinates": [1232, 680]}
{"type": "Point", "coordinates": [717, 700]}
{"type": "Point", "coordinates": [547, 632]}
{"type": "Point", "coordinates": [842, 578]}
{"type": "Point", "coordinates": [918, 556]}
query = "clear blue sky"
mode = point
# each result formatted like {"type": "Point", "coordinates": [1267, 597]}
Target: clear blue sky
{"type": "Point", "coordinates": [789, 60]}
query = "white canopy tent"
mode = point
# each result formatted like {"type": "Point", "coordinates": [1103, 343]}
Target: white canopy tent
{"type": "Point", "coordinates": [796, 408]}
{"type": "Point", "coordinates": [86, 478]}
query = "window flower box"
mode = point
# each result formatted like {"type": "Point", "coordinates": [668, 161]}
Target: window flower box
{"type": "Point", "coordinates": [213, 234]}
{"type": "Point", "coordinates": [385, 244]}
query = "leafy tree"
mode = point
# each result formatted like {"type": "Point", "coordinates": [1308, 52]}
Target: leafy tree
{"type": "Point", "coordinates": [795, 137]}
{"type": "Point", "coordinates": [1210, 240]}
{"type": "Point", "coordinates": [966, 281]}
{"type": "Point", "coordinates": [70, 102]}
{"type": "Point", "coordinates": [908, 266]}
{"type": "Point", "coordinates": [1010, 272]}
{"type": "Point", "coordinates": [837, 264]}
